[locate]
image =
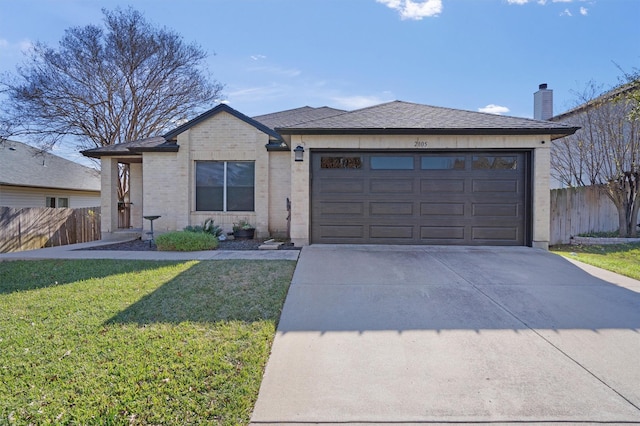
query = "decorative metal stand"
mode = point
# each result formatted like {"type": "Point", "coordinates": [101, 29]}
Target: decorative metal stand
{"type": "Point", "coordinates": [151, 219]}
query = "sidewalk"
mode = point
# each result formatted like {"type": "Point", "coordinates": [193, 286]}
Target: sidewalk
{"type": "Point", "coordinates": [74, 251]}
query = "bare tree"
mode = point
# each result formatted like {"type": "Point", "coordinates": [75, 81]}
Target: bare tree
{"type": "Point", "coordinates": [605, 152]}
{"type": "Point", "coordinates": [104, 85]}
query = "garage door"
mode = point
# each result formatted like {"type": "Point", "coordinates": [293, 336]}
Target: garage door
{"type": "Point", "coordinates": [462, 198]}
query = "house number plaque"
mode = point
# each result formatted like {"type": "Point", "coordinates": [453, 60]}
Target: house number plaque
{"type": "Point", "coordinates": [420, 144]}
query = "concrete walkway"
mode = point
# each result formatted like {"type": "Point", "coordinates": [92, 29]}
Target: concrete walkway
{"type": "Point", "coordinates": [74, 251]}
{"type": "Point", "coordinates": [375, 335]}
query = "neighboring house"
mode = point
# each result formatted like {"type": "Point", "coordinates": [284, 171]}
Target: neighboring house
{"type": "Point", "coordinates": [395, 173]}
{"type": "Point", "coordinates": [607, 140]}
{"type": "Point", "coordinates": [30, 177]}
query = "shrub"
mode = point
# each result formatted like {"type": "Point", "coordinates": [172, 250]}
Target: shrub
{"type": "Point", "coordinates": [186, 241]}
{"type": "Point", "coordinates": [208, 228]}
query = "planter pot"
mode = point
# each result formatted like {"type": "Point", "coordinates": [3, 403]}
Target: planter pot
{"type": "Point", "coordinates": [244, 234]}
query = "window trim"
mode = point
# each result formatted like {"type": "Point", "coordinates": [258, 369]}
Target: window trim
{"type": "Point", "coordinates": [225, 164]}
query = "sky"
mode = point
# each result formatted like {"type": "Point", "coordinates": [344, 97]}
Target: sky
{"type": "Point", "coordinates": [274, 55]}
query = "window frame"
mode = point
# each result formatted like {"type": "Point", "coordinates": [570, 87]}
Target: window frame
{"type": "Point", "coordinates": [56, 202]}
{"type": "Point", "coordinates": [225, 164]}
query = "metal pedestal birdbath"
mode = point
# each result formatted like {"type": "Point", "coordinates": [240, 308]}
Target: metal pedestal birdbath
{"type": "Point", "coordinates": [151, 219]}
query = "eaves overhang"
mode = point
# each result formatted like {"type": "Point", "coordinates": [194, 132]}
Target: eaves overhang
{"type": "Point", "coordinates": [554, 132]}
{"type": "Point", "coordinates": [165, 147]}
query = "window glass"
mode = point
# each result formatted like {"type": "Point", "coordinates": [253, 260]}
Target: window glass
{"type": "Point", "coordinates": [442, 163]}
{"type": "Point", "coordinates": [63, 202]}
{"type": "Point", "coordinates": [50, 202]}
{"type": "Point", "coordinates": [209, 185]}
{"type": "Point", "coordinates": [391, 163]}
{"type": "Point", "coordinates": [340, 162]}
{"type": "Point", "coordinates": [213, 177]}
{"type": "Point", "coordinates": [495, 162]}
{"type": "Point", "coordinates": [240, 179]}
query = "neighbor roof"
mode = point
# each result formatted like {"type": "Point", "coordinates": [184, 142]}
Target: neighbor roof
{"type": "Point", "coordinates": [24, 165]}
{"type": "Point", "coordinates": [619, 91]}
{"type": "Point", "coordinates": [400, 117]}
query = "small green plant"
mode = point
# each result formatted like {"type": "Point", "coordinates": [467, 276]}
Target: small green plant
{"type": "Point", "coordinates": [186, 241]}
{"type": "Point", "coordinates": [208, 227]}
{"type": "Point", "coordinates": [242, 225]}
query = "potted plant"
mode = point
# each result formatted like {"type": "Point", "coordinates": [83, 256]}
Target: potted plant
{"type": "Point", "coordinates": [243, 230]}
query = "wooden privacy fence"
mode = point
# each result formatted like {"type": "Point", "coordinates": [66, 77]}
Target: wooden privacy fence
{"type": "Point", "coordinates": [576, 211]}
{"type": "Point", "coordinates": [34, 228]}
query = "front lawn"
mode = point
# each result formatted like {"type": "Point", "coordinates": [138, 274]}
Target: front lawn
{"type": "Point", "coordinates": [623, 259]}
{"type": "Point", "coordinates": [134, 342]}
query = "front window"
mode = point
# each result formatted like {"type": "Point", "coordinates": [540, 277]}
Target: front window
{"type": "Point", "coordinates": [57, 202]}
{"type": "Point", "coordinates": [225, 186]}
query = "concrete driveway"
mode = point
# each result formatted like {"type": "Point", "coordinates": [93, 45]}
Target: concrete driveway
{"type": "Point", "coordinates": [376, 335]}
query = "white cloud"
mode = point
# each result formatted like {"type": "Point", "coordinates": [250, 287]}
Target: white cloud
{"type": "Point", "coordinates": [494, 109]}
{"type": "Point", "coordinates": [584, 11]}
{"type": "Point", "coordinates": [517, 1]}
{"type": "Point", "coordinates": [258, 57]}
{"type": "Point", "coordinates": [566, 12]}
{"type": "Point", "coordinates": [3, 43]}
{"type": "Point", "coordinates": [416, 10]}
{"type": "Point", "coordinates": [357, 101]}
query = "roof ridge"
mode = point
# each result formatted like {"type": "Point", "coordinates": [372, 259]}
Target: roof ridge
{"type": "Point", "coordinates": [283, 111]}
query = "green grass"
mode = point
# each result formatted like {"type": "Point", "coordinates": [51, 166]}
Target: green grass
{"type": "Point", "coordinates": [600, 234]}
{"type": "Point", "coordinates": [132, 342]}
{"type": "Point", "coordinates": [186, 241]}
{"type": "Point", "coordinates": [623, 259]}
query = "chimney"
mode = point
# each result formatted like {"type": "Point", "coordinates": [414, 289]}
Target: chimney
{"type": "Point", "coordinates": [543, 103]}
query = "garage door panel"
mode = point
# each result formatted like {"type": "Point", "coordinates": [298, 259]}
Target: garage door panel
{"type": "Point", "coordinates": [495, 185]}
{"type": "Point", "coordinates": [495, 210]}
{"type": "Point", "coordinates": [391, 209]}
{"type": "Point", "coordinates": [341, 186]}
{"type": "Point", "coordinates": [458, 205]}
{"type": "Point", "coordinates": [391, 186]}
{"type": "Point", "coordinates": [495, 233]}
{"type": "Point", "coordinates": [391, 232]}
{"type": "Point", "coordinates": [439, 209]}
{"type": "Point", "coordinates": [442, 185]}
{"type": "Point", "coordinates": [341, 231]}
{"type": "Point", "coordinates": [342, 208]}
{"type": "Point", "coordinates": [442, 232]}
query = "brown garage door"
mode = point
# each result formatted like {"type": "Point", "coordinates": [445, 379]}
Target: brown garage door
{"type": "Point", "coordinates": [463, 198]}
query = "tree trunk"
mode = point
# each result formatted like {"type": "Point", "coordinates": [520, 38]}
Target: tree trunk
{"type": "Point", "coordinates": [626, 197]}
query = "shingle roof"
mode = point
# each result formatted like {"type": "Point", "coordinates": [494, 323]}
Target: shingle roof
{"type": "Point", "coordinates": [213, 111]}
{"type": "Point", "coordinates": [297, 116]}
{"type": "Point", "coordinates": [619, 91]}
{"type": "Point", "coordinates": [395, 117]}
{"type": "Point", "coordinates": [130, 148]}
{"type": "Point", "coordinates": [400, 117]}
{"type": "Point", "coordinates": [24, 165]}
{"type": "Point", "coordinates": [167, 142]}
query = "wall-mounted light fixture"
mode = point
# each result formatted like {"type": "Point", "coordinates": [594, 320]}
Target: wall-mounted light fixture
{"type": "Point", "coordinates": [299, 153]}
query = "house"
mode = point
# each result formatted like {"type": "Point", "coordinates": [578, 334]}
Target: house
{"type": "Point", "coordinates": [30, 177]}
{"type": "Point", "coordinates": [394, 173]}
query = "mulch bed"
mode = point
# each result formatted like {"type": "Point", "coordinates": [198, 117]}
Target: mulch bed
{"type": "Point", "coordinates": [139, 245]}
